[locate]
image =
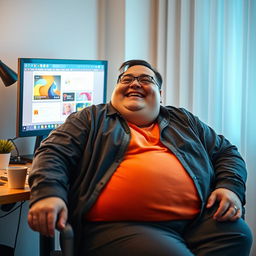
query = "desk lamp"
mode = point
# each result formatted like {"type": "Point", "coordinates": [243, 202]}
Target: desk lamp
{"type": "Point", "coordinates": [8, 76]}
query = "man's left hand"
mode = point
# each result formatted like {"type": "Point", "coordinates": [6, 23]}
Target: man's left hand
{"type": "Point", "coordinates": [230, 206]}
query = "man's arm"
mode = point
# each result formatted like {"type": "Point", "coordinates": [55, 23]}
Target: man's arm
{"type": "Point", "coordinates": [229, 166]}
{"type": "Point", "coordinates": [49, 179]}
{"type": "Point", "coordinates": [230, 171]}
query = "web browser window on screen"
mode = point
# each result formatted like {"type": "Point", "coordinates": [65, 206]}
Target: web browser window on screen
{"type": "Point", "coordinates": [52, 91]}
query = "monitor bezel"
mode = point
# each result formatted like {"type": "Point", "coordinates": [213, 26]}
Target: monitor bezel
{"type": "Point", "coordinates": [20, 88]}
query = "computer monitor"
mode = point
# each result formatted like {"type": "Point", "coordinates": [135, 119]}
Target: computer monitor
{"type": "Point", "coordinates": [50, 89]}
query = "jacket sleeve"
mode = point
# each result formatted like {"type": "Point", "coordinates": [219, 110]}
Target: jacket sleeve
{"type": "Point", "coordinates": [229, 166]}
{"type": "Point", "coordinates": [57, 157]}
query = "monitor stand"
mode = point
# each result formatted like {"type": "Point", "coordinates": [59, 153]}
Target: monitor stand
{"type": "Point", "coordinates": [27, 158]}
{"type": "Point", "coordinates": [38, 141]}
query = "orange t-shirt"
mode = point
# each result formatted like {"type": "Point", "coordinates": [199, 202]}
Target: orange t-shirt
{"type": "Point", "coordinates": [150, 184]}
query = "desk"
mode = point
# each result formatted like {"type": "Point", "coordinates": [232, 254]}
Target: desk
{"type": "Point", "coordinates": [9, 195]}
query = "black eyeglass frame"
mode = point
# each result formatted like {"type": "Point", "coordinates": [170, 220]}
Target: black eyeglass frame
{"type": "Point", "coordinates": [137, 78]}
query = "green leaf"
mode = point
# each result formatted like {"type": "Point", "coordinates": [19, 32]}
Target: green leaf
{"type": "Point", "coordinates": [6, 146]}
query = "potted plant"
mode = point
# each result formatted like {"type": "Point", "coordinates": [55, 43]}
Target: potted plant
{"type": "Point", "coordinates": [6, 146]}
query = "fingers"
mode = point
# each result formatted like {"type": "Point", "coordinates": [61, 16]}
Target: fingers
{"type": "Point", "coordinates": [43, 221]}
{"type": "Point", "coordinates": [50, 223]}
{"type": "Point", "coordinates": [227, 212]}
{"type": "Point", "coordinates": [43, 215]}
{"type": "Point", "coordinates": [222, 209]}
{"type": "Point", "coordinates": [211, 200]}
{"type": "Point", "coordinates": [237, 215]}
{"type": "Point", "coordinates": [42, 218]}
{"type": "Point", "coordinates": [229, 208]}
{"type": "Point", "coordinates": [62, 220]}
{"type": "Point", "coordinates": [33, 220]}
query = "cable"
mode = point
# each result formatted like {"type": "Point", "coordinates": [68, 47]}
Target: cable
{"type": "Point", "coordinates": [15, 146]}
{"type": "Point", "coordinates": [12, 210]}
{"type": "Point", "coordinates": [18, 227]}
{"type": "Point", "coordinates": [16, 159]}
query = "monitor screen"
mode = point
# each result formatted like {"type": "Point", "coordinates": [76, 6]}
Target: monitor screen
{"type": "Point", "coordinates": [50, 89]}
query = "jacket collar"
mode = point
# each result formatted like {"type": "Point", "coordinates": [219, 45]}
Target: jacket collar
{"type": "Point", "coordinates": [111, 110]}
{"type": "Point", "coordinates": [163, 117]}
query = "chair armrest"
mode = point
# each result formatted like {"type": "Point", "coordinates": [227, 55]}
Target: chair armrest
{"type": "Point", "coordinates": [67, 240]}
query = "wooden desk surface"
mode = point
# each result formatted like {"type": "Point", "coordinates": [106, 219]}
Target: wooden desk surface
{"type": "Point", "coordinates": [10, 195]}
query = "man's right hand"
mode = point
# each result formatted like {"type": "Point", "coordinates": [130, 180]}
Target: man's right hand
{"type": "Point", "coordinates": [46, 214]}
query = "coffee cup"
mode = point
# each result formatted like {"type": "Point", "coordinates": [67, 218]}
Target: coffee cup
{"type": "Point", "coordinates": [17, 176]}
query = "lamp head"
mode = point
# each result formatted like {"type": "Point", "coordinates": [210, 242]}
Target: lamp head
{"type": "Point", "coordinates": [8, 76]}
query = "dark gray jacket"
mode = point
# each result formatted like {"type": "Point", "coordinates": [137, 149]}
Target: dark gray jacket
{"type": "Point", "coordinates": [77, 159]}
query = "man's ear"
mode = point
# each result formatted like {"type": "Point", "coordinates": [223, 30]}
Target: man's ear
{"type": "Point", "coordinates": [161, 98]}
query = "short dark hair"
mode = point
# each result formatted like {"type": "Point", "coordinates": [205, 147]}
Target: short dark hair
{"type": "Point", "coordinates": [129, 63]}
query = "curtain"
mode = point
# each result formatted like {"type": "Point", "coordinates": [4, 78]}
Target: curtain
{"type": "Point", "coordinates": [210, 69]}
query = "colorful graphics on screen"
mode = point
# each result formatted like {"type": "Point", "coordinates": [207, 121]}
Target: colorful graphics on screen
{"type": "Point", "coordinates": [83, 96]}
{"type": "Point", "coordinates": [68, 96]}
{"type": "Point", "coordinates": [46, 87]}
{"type": "Point", "coordinates": [80, 106]}
{"type": "Point", "coordinates": [68, 108]}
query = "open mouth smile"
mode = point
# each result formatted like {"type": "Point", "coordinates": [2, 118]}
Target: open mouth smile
{"type": "Point", "coordinates": [135, 94]}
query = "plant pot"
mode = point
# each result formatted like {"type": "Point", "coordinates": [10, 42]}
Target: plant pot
{"type": "Point", "coordinates": [4, 160]}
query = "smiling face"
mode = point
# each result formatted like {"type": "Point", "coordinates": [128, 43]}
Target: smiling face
{"type": "Point", "coordinates": [138, 104]}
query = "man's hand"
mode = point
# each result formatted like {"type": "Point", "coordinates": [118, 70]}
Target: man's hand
{"type": "Point", "coordinates": [230, 206]}
{"type": "Point", "coordinates": [44, 214]}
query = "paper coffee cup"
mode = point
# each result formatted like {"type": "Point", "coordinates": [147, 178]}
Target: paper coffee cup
{"type": "Point", "coordinates": [17, 176]}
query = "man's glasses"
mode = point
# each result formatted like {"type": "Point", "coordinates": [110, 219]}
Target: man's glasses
{"type": "Point", "coordinates": [142, 79]}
